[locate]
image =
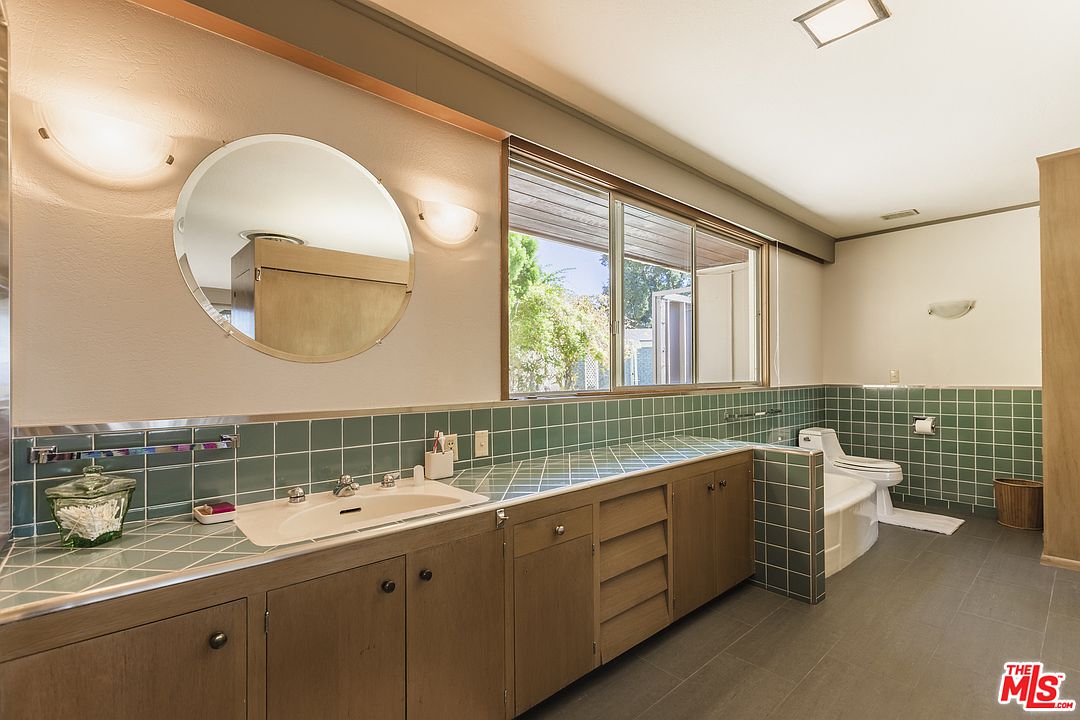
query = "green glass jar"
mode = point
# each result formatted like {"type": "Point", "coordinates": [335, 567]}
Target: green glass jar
{"type": "Point", "coordinates": [90, 510]}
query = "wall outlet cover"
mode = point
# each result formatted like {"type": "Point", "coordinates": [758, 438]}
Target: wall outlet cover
{"type": "Point", "coordinates": [450, 445]}
{"type": "Point", "coordinates": [480, 443]}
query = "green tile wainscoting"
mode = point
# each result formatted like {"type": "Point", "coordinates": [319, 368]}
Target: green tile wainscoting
{"type": "Point", "coordinates": [274, 456]}
{"type": "Point", "coordinates": [983, 433]}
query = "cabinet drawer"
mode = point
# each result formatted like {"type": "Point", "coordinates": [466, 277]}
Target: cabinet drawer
{"type": "Point", "coordinates": [545, 532]}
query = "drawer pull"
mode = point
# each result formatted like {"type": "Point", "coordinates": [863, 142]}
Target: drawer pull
{"type": "Point", "coordinates": [388, 586]}
{"type": "Point", "coordinates": [425, 574]}
{"type": "Point", "coordinates": [560, 529]}
{"type": "Point", "coordinates": [218, 640]}
{"type": "Point", "coordinates": [723, 483]}
{"type": "Point", "coordinates": [710, 487]}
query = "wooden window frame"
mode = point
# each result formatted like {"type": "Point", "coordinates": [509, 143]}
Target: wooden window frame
{"type": "Point", "coordinates": [621, 190]}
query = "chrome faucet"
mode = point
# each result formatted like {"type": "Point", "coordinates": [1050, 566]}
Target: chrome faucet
{"type": "Point", "coordinates": [389, 480]}
{"type": "Point", "coordinates": [346, 486]}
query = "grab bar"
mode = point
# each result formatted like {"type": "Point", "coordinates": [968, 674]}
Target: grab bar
{"type": "Point", "coordinates": [48, 453]}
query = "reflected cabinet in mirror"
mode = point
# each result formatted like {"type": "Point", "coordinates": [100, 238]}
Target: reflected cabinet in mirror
{"type": "Point", "coordinates": [295, 247]}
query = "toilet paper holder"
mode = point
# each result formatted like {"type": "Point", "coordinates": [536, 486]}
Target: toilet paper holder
{"type": "Point", "coordinates": [924, 424]}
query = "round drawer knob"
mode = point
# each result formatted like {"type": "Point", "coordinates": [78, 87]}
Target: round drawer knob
{"type": "Point", "coordinates": [560, 529]}
{"type": "Point", "coordinates": [388, 586]}
{"type": "Point", "coordinates": [425, 574]}
{"type": "Point", "coordinates": [710, 487]}
{"type": "Point", "coordinates": [723, 483]}
{"type": "Point", "coordinates": [218, 640]}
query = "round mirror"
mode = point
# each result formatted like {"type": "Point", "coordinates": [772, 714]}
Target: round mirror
{"type": "Point", "coordinates": [294, 247]}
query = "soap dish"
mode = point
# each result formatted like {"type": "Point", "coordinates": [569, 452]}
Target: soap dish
{"type": "Point", "coordinates": [206, 515]}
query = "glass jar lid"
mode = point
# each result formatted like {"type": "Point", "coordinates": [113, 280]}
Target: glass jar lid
{"type": "Point", "coordinates": [93, 483]}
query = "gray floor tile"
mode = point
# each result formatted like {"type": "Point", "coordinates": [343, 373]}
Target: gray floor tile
{"type": "Point", "coordinates": [1013, 604]}
{"type": "Point", "coordinates": [1063, 643]}
{"type": "Point", "coordinates": [1066, 598]}
{"type": "Point", "coordinates": [787, 643]}
{"type": "Point", "coordinates": [621, 689]}
{"type": "Point", "coordinates": [904, 543]}
{"type": "Point", "coordinates": [693, 641]}
{"type": "Point", "coordinates": [951, 570]}
{"type": "Point", "coordinates": [835, 690]}
{"type": "Point", "coordinates": [749, 604]}
{"type": "Point", "coordinates": [951, 692]}
{"type": "Point", "coordinates": [888, 646]}
{"type": "Point", "coordinates": [980, 527]}
{"type": "Point", "coordinates": [1028, 543]}
{"type": "Point", "coordinates": [726, 688]}
{"type": "Point", "coordinates": [965, 546]}
{"type": "Point", "coordinates": [928, 603]}
{"type": "Point", "coordinates": [1017, 570]}
{"type": "Point", "coordinates": [985, 645]}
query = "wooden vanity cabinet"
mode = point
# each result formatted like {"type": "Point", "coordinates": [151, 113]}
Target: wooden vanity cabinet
{"type": "Point", "coordinates": [188, 666]}
{"type": "Point", "coordinates": [335, 645]}
{"type": "Point", "coordinates": [554, 620]}
{"type": "Point", "coordinates": [456, 628]}
{"type": "Point", "coordinates": [712, 534]}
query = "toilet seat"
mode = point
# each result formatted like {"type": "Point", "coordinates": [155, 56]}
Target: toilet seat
{"type": "Point", "coordinates": [863, 464]}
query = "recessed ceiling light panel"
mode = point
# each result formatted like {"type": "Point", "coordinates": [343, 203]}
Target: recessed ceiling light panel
{"type": "Point", "coordinates": [902, 214]}
{"type": "Point", "coordinates": [839, 18]}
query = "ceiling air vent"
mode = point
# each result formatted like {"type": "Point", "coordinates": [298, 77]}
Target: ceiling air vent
{"type": "Point", "coordinates": [902, 214]}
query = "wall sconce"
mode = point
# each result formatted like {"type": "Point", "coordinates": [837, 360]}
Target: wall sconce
{"type": "Point", "coordinates": [105, 145]}
{"type": "Point", "coordinates": [448, 223]}
{"type": "Point", "coordinates": [951, 309]}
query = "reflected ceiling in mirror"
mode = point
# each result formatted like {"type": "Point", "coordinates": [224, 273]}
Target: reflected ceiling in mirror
{"type": "Point", "coordinates": [294, 247]}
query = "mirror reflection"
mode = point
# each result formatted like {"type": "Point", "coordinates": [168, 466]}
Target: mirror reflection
{"type": "Point", "coordinates": [295, 246]}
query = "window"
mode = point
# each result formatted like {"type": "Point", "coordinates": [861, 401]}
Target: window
{"type": "Point", "coordinates": [607, 291]}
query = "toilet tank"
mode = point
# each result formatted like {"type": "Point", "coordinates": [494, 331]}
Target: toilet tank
{"type": "Point", "coordinates": [819, 438]}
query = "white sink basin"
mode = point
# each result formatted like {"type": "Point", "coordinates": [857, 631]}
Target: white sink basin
{"type": "Point", "coordinates": [278, 522]}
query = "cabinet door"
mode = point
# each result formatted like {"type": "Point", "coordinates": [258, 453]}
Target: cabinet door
{"type": "Point", "coordinates": [694, 544]}
{"type": "Point", "coordinates": [456, 630]}
{"type": "Point", "coordinates": [169, 670]}
{"type": "Point", "coordinates": [335, 646]}
{"type": "Point", "coordinates": [554, 639]}
{"type": "Point", "coordinates": [735, 524]}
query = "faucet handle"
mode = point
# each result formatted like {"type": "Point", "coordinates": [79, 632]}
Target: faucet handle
{"type": "Point", "coordinates": [390, 480]}
{"type": "Point", "coordinates": [297, 495]}
{"type": "Point", "coordinates": [345, 480]}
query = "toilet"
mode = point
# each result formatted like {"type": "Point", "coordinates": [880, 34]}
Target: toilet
{"type": "Point", "coordinates": [883, 473]}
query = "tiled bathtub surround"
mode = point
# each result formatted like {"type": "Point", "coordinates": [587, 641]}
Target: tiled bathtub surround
{"type": "Point", "coordinates": [983, 433]}
{"type": "Point", "coordinates": [789, 523]}
{"type": "Point", "coordinates": [789, 546]}
{"type": "Point", "coordinates": [273, 457]}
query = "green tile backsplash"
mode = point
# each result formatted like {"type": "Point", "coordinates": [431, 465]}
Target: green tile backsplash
{"type": "Point", "coordinates": [983, 433]}
{"type": "Point", "coordinates": [273, 457]}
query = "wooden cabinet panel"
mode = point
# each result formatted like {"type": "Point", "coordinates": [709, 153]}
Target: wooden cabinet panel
{"type": "Point", "coordinates": [621, 515]}
{"type": "Point", "coordinates": [631, 588]}
{"type": "Point", "coordinates": [456, 630]}
{"type": "Point", "coordinates": [545, 532]}
{"type": "Point", "coordinates": [627, 552]}
{"type": "Point", "coordinates": [695, 552]}
{"type": "Point", "coordinates": [553, 620]}
{"type": "Point", "coordinates": [336, 645]}
{"type": "Point", "coordinates": [166, 670]}
{"type": "Point", "coordinates": [735, 525]}
{"type": "Point", "coordinates": [628, 629]}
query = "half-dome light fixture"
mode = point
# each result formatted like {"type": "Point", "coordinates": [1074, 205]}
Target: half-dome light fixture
{"type": "Point", "coordinates": [105, 145]}
{"type": "Point", "coordinates": [951, 309]}
{"type": "Point", "coordinates": [448, 223]}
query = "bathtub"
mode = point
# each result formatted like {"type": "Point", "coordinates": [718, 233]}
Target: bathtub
{"type": "Point", "coordinates": [851, 526]}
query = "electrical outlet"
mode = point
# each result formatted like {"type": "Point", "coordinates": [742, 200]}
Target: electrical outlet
{"type": "Point", "coordinates": [780, 436]}
{"type": "Point", "coordinates": [480, 443]}
{"type": "Point", "coordinates": [450, 445]}
{"type": "Point", "coordinates": [894, 377]}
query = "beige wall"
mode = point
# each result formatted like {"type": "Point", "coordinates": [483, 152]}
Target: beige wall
{"type": "Point", "coordinates": [796, 320]}
{"type": "Point", "coordinates": [104, 326]}
{"type": "Point", "coordinates": [877, 293]}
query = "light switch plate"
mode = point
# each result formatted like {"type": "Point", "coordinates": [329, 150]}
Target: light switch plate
{"type": "Point", "coordinates": [480, 443]}
{"type": "Point", "coordinates": [894, 377]}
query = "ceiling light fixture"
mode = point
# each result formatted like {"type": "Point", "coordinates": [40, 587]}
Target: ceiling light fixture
{"type": "Point", "coordinates": [901, 214]}
{"type": "Point", "coordinates": [105, 145]}
{"type": "Point", "coordinates": [839, 18]}
{"type": "Point", "coordinates": [951, 309]}
{"type": "Point", "coordinates": [450, 224]}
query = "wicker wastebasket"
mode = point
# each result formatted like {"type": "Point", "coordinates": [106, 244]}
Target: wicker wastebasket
{"type": "Point", "coordinates": [1019, 503]}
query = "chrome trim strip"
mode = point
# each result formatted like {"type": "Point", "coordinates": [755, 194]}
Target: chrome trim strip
{"type": "Point", "coordinates": [49, 454]}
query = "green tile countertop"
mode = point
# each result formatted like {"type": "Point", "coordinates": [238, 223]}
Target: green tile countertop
{"type": "Point", "coordinates": [38, 575]}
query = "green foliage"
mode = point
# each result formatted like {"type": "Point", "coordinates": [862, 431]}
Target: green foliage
{"type": "Point", "coordinates": [551, 329]}
{"type": "Point", "coordinates": [640, 281]}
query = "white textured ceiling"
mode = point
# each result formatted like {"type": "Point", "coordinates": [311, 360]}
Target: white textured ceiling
{"type": "Point", "coordinates": [943, 107]}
